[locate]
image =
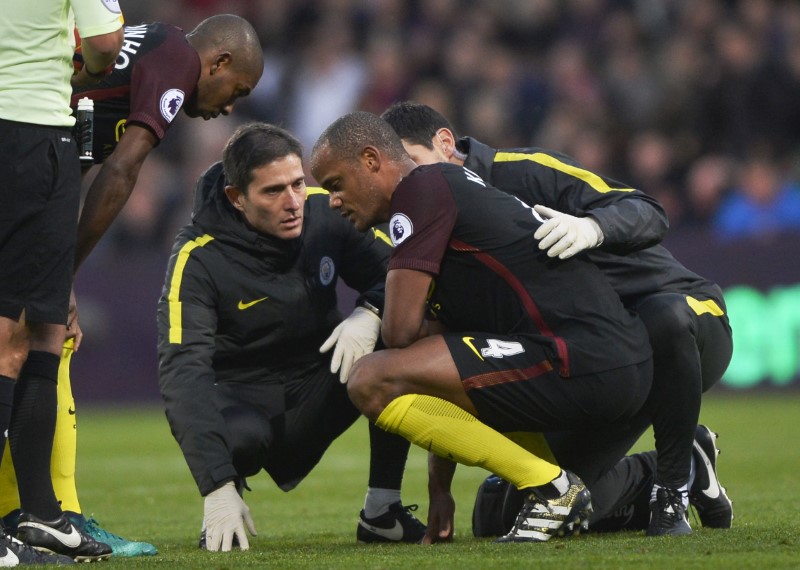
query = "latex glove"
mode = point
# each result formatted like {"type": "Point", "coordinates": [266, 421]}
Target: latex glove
{"type": "Point", "coordinates": [563, 235]}
{"type": "Point", "coordinates": [224, 516]}
{"type": "Point", "coordinates": [354, 337]}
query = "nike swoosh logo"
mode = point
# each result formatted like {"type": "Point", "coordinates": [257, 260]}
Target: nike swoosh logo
{"type": "Point", "coordinates": [71, 540]}
{"type": "Point", "coordinates": [9, 559]}
{"type": "Point", "coordinates": [468, 341]}
{"type": "Point", "coordinates": [712, 491]}
{"type": "Point", "coordinates": [394, 534]}
{"type": "Point", "coordinates": [242, 305]}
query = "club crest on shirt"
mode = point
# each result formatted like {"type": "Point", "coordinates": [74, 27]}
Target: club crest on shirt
{"type": "Point", "coordinates": [112, 6]}
{"type": "Point", "coordinates": [326, 270]}
{"type": "Point", "coordinates": [400, 227]}
{"type": "Point", "coordinates": [171, 102]}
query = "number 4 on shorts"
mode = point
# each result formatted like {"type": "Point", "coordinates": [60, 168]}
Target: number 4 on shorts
{"type": "Point", "coordinates": [500, 348]}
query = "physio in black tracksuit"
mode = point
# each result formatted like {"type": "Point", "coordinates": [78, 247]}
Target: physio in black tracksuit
{"type": "Point", "coordinates": [683, 312]}
{"type": "Point", "coordinates": [241, 320]}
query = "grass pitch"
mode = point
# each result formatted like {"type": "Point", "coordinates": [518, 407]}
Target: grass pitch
{"type": "Point", "coordinates": [132, 477]}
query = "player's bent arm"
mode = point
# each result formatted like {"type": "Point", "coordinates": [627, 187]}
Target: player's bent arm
{"type": "Point", "coordinates": [404, 309]}
{"type": "Point", "coordinates": [112, 187]}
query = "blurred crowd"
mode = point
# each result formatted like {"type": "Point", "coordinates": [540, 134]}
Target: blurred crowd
{"type": "Point", "coordinates": [693, 101]}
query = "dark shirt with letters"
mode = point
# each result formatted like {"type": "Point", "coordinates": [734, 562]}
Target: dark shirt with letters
{"type": "Point", "coordinates": [490, 276]}
{"type": "Point", "coordinates": [155, 73]}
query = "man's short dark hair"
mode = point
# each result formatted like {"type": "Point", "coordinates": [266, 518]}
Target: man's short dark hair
{"type": "Point", "coordinates": [348, 135]}
{"type": "Point", "coordinates": [255, 145]}
{"type": "Point", "coordinates": [416, 123]}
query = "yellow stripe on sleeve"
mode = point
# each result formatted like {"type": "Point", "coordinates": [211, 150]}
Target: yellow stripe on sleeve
{"type": "Point", "coordinates": [382, 236]}
{"type": "Point", "coordinates": [708, 306]}
{"type": "Point", "coordinates": [313, 190]}
{"type": "Point", "coordinates": [175, 316]}
{"type": "Point", "coordinates": [590, 178]}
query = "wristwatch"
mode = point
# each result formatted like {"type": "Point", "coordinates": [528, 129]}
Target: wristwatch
{"type": "Point", "coordinates": [370, 307]}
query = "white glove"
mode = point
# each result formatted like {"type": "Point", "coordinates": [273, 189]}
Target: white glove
{"type": "Point", "coordinates": [354, 337]}
{"type": "Point", "coordinates": [563, 235]}
{"type": "Point", "coordinates": [225, 516]}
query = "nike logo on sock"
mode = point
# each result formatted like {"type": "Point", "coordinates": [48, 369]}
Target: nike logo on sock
{"type": "Point", "coordinates": [394, 534]}
{"type": "Point", "coordinates": [70, 540]}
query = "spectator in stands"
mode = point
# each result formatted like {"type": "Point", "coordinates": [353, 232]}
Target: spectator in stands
{"type": "Point", "coordinates": [763, 202]}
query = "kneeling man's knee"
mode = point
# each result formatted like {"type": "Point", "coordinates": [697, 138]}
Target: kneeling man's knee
{"type": "Point", "coordinates": [251, 434]}
{"type": "Point", "coordinates": [366, 385]}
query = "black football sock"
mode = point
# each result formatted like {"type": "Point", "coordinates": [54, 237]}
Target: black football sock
{"type": "Point", "coordinates": [6, 404]}
{"type": "Point", "coordinates": [387, 458]}
{"type": "Point", "coordinates": [388, 454]}
{"type": "Point", "coordinates": [31, 432]}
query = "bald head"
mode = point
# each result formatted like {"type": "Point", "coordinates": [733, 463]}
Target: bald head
{"type": "Point", "coordinates": [231, 63]}
{"type": "Point", "coordinates": [232, 34]}
{"type": "Point", "coordinates": [360, 160]}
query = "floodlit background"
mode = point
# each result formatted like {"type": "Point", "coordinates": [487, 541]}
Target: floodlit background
{"type": "Point", "coordinates": [693, 101]}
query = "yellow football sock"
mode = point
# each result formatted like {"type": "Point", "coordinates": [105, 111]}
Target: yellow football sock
{"type": "Point", "coordinates": [534, 442]}
{"type": "Point", "coordinates": [62, 463]}
{"type": "Point", "coordinates": [9, 496]}
{"type": "Point", "coordinates": [448, 431]}
{"type": "Point", "coordinates": [65, 443]}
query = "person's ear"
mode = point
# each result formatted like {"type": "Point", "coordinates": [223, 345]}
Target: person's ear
{"type": "Point", "coordinates": [235, 197]}
{"type": "Point", "coordinates": [447, 141]}
{"type": "Point", "coordinates": [371, 158]}
{"type": "Point", "coordinates": [221, 61]}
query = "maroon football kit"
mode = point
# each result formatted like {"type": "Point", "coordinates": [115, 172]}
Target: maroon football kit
{"type": "Point", "coordinates": [155, 73]}
{"type": "Point", "coordinates": [538, 342]}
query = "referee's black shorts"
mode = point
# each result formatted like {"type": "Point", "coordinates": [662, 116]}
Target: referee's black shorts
{"type": "Point", "coordinates": [514, 386]}
{"type": "Point", "coordinates": [40, 182]}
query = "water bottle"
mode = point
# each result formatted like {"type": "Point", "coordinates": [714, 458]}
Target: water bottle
{"type": "Point", "coordinates": [84, 127]}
